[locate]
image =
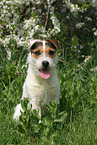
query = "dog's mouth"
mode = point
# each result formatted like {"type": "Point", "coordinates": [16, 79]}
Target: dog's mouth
{"type": "Point", "coordinates": [45, 73]}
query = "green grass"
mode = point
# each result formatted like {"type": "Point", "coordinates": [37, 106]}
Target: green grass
{"type": "Point", "coordinates": [75, 120]}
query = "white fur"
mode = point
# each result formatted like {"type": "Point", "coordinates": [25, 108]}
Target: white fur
{"type": "Point", "coordinates": [39, 91]}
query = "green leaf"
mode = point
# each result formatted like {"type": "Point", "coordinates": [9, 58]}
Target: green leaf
{"type": "Point", "coordinates": [21, 129]}
{"type": "Point", "coordinates": [24, 103]}
{"type": "Point", "coordinates": [61, 117]}
{"type": "Point", "coordinates": [36, 128]}
{"type": "Point", "coordinates": [36, 113]}
{"type": "Point", "coordinates": [93, 100]}
{"type": "Point", "coordinates": [47, 121]}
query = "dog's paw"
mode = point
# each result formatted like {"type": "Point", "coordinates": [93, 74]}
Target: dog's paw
{"type": "Point", "coordinates": [17, 113]}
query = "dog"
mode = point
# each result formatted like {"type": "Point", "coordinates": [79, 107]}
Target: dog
{"type": "Point", "coordinates": [41, 85]}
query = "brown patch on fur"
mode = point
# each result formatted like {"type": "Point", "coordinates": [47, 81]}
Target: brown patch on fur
{"type": "Point", "coordinates": [40, 49]}
{"type": "Point", "coordinates": [47, 51]}
{"type": "Point", "coordinates": [55, 42]}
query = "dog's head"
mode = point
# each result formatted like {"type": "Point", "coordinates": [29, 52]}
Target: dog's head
{"type": "Point", "coordinates": [43, 56]}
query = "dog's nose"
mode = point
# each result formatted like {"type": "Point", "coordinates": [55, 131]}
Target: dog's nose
{"type": "Point", "coordinates": [45, 64]}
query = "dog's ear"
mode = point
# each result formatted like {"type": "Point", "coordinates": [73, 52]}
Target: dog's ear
{"type": "Point", "coordinates": [30, 43]}
{"type": "Point", "coordinates": [54, 42]}
{"type": "Point", "coordinates": [34, 44]}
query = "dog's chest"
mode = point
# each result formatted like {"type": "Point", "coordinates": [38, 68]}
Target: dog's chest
{"type": "Point", "coordinates": [41, 91]}
{"type": "Point", "coordinates": [44, 92]}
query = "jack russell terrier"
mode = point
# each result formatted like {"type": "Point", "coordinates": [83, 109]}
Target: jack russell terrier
{"type": "Point", "coordinates": [41, 85]}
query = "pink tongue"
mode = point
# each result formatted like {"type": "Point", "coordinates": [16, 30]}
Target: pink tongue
{"type": "Point", "coordinates": [45, 73]}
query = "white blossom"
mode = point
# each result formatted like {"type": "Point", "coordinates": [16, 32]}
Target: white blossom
{"type": "Point", "coordinates": [55, 23]}
{"type": "Point", "coordinates": [79, 25]}
{"type": "Point", "coordinates": [87, 58]}
{"type": "Point", "coordinates": [95, 33]}
{"type": "Point", "coordinates": [8, 54]}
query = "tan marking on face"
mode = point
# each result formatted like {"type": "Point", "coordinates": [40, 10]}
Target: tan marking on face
{"type": "Point", "coordinates": [40, 49]}
{"type": "Point", "coordinates": [47, 52]}
{"type": "Point", "coordinates": [55, 42]}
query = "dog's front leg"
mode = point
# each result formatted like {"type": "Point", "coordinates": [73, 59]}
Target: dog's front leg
{"type": "Point", "coordinates": [37, 108]}
{"type": "Point", "coordinates": [35, 105]}
{"type": "Point", "coordinates": [17, 113]}
{"type": "Point", "coordinates": [34, 94]}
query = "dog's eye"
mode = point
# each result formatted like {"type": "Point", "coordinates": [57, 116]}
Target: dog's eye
{"type": "Point", "coordinates": [51, 52]}
{"type": "Point", "coordinates": [37, 53]}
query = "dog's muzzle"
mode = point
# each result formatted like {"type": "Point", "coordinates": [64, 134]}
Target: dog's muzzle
{"type": "Point", "coordinates": [45, 70]}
